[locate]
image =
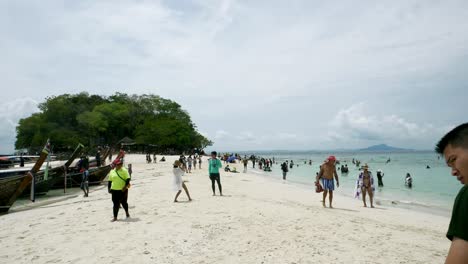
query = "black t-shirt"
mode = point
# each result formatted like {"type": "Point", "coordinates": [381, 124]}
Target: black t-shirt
{"type": "Point", "coordinates": [459, 223]}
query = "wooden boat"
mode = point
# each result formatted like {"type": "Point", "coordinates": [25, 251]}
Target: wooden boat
{"type": "Point", "coordinates": [96, 176]}
{"type": "Point", "coordinates": [54, 176]}
{"type": "Point", "coordinates": [12, 187]}
{"type": "Point", "coordinates": [6, 173]}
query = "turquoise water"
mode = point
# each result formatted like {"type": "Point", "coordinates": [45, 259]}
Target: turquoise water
{"type": "Point", "coordinates": [433, 189]}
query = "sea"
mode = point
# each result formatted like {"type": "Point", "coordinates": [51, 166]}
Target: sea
{"type": "Point", "coordinates": [434, 189]}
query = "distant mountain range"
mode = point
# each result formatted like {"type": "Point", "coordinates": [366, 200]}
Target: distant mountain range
{"type": "Point", "coordinates": [384, 148]}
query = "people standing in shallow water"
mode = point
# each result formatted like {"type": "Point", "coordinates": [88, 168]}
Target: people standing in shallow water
{"type": "Point", "coordinates": [284, 169]}
{"type": "Point", "coordinates": [409, 181]}
{"type": "Point", "coordinates": [326, 174]}
{"type": "Point", "coordinates": [179, 184]}
{"type": "Point", "coordinates": [365, 184]}
{"type": "Point", "coordinates": [380, 175]}
{"type": "Point", "coordinates": [454, 148]}
{"type": "Point", "coordinates": [214, 165]}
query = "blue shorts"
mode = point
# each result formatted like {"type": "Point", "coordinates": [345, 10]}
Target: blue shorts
{"type": "Point", "coordinates": [328, 185]}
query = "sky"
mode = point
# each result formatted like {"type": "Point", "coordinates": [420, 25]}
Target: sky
{"type": "Point", "coordinates": [253, 75]}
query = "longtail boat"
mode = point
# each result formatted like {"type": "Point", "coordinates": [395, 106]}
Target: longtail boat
{"type": "Point", "coordinates": [12, 187]}
{"type": "Point", "coordinates": [44, 181]}
{"type": "Point", "coordinates": [96, 176]}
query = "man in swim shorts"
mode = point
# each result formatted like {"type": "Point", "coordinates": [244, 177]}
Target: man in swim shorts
{"type": "Point", "coordinates": [327, 172]}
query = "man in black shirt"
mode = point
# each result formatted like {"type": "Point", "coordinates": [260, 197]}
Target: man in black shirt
{"type": "Point", "coordinates": [454, 148]}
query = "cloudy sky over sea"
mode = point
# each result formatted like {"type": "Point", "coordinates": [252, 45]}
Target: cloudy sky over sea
{"type": "Point", "coordinates": [252, 74]}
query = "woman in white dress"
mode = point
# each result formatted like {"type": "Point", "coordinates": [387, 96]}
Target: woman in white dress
{"type": "Point", "coordinates": [178, 182]}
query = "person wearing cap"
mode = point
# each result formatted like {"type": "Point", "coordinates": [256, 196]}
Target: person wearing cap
{"type": "Point", "coordinates": [119, 182]}
{"type": "Point", "coordinates": [327, 172]}
{"type": "Point", "coordinates": [365, 184]}
{"type": "Point", "coordinates": [454, 148]}
{"type": "Point", "coordinates": [179, 184]}
{"type": "Point", "coordinates": [214, 164]}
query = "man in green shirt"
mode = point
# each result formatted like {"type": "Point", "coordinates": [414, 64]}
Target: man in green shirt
{"type": "Point", "coordinates": [119, 182]}
{"type": "Point", "coordinates": [454, 148]}
{"type": "Point", "coordinates": [214, 165]}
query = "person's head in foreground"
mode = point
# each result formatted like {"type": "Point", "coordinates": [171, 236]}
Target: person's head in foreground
{"type": "Point", "coordinates": [454, 148]}
{"type": "Point", "coordinates": [177, 164]}
{"type": "Point", "coordinates": [214, 154]}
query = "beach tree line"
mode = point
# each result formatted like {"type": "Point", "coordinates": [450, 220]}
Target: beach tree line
{"type": "Point", "coordinates": [99, 120]}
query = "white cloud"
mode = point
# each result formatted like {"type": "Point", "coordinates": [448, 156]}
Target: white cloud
{"type": "Point", "coordinates": [272, 65]}
{"type": "Point", "coordinates": [221, 135]}
{"type": "Point", "coordinates": [358, 125]}
{"type": "Point", "coordinates": [11, 113]}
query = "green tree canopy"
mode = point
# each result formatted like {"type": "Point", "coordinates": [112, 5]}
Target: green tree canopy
{"type": "Point", "coordinates": [98, 120]}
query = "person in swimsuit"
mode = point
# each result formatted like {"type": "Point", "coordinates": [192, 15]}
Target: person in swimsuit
{"type": "Point", "coordinates": [365, 184]}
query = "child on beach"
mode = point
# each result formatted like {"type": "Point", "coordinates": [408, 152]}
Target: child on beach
{"type": "Point", "coordinates": [179, 184]}
{"type": "Point", "coordinates": [130, 171]}
{"type": "Point", "coordinates": [199, 162]}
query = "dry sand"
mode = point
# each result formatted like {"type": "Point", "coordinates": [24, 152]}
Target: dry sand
{"type": "Point", "coordinates": [259, 220]}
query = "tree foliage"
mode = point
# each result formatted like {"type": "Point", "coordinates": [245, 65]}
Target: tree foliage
{"type": "Point", "coordinates": [97, 120]}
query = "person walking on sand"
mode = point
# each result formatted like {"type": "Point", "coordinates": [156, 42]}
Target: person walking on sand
{"type": "Point", "coordinates": [365, 184]}
{"type": "Point", "coordinates": [454, 148]}
{"type": "Point", "coordinates": [194, 162]}
{"type": "Point", "coordinates": [327, 172]}
{"type": "Point", "coordinates": [84, 169]}
{"type": "Point", "coordinates": [246, 162]}
{"type": "Point", "coordinates": [119, 182]}
{"type": "Point", "coordinates": [214, 165]}
{"type": "Point", "coordinates": [189, 163]}
{"type": "Point", "coordinates": [179, 184]}
{"type": "Point", "coordinates": [199, 162]}
{"type": "Point", "coordinates": [130, 170]}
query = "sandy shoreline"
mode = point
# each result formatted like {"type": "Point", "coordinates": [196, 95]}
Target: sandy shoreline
{"type": "Point", "coordinates": [258, 221]}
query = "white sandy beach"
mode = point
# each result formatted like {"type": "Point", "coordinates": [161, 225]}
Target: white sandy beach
{"type": "Point", "coordinates": [259, 220]}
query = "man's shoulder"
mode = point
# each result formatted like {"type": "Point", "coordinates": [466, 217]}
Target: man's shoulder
{"type": "Point", "coordinates": [463, 195]}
